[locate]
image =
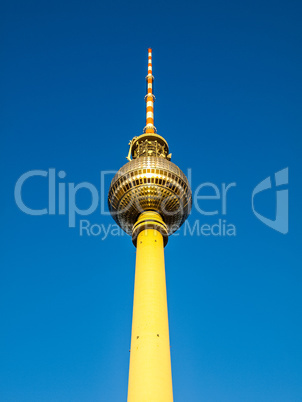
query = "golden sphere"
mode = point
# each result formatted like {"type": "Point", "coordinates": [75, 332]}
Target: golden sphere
{"type": "Point", "coordinates": [150, 184]}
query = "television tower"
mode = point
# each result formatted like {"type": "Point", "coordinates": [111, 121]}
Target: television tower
{"type": "Point", "coordinates": [150, 198]}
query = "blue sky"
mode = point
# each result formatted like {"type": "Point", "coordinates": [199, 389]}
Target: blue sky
{"type": "Point", "coordinates": [228, 100]}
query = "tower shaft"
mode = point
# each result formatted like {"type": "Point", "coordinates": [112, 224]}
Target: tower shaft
{"type": "Point", "coordinates": [150, 378]}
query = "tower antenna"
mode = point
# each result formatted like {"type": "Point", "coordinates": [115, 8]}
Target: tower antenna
{"type": "Point", "coordinates": [149, 98]}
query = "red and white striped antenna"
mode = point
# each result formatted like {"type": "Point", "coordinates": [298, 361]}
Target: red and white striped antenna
{"type": "Point", "coordinates": [149, 98]}
{"type": "Point", "coordinates": [149, 143]}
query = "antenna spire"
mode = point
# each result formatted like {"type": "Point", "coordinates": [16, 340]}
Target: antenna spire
{"type": "Point", "coordinates": [149, 98]}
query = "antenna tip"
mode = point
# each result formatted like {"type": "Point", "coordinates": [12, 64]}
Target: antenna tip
{"type": "Point", "coordinates": [149, 49]}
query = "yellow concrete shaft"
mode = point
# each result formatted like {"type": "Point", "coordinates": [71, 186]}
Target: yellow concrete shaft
{"type": "Point", "coordinates": [150, 378]}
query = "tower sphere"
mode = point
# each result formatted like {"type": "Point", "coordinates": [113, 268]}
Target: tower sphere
{"type": "Point", "coordinates": [150, 183]}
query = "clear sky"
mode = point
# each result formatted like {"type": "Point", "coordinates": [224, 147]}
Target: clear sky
{"type": "Point", "coordinates": [228, 100]}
